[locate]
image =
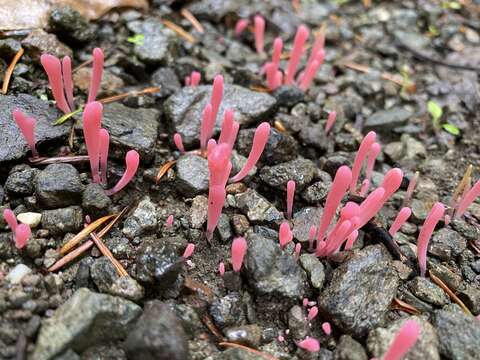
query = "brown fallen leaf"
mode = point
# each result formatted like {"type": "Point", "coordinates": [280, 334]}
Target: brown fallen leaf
{"type": "Point", "coordinates": [33, 14]}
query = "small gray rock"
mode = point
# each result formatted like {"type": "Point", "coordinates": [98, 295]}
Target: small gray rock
{"type": "Point", "coordinates": [227, 310]}
{"type": "Point", "coordinates": [127, 288]}
{"type": "Point", "coordinates": [39, 42]}
{"type": "Point", "coordinates": [427, 291]}
{"type": "Point", "coordinates": [349, 349]}
{"type": "Point", "coordinates": [386, 120]}
{"type": "Point", "coordinates": [257, 208]}
{"type": "Point", "coordinates": [143, 220]}
{"type": "Point", "coordinates": [447, 241]}
{"type": "Point", "coordinates": [297, 322]}
{"type": "Point", "coordinates": [192, 175]}
{"type": "Point", "coordinates": [303, 220]}
{"type": "Point", "coordinates": [314, 269]}
{"type": "Point", "coordinates": [61, 221]}
{"type": "Point", "coordinates": [300, 170]}
{"type": "Point", "coordinates": [95, 201]}
{"type": "Point", "coordinates": [103, 274]}
{"type": "Point", "coordinates": [69, 23]}
{"type": "Point", "coordinates": [198, 212]}
{"type": "Point", "coordinates": [249, 335]}
{"type": "Point", "coordinates": [319, 190]}
{"type": "Point", "coordinates": [470, 295]}
{"type": "Point", "coordinates": [166, 79]}
{"type": "Point", "coordinates": [21, 181]}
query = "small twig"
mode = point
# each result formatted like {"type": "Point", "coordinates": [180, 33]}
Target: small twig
{"type": "Point", "coordinates": [385, 76]}
{"type": "Point", "coordinates": [58, 160]}
{"type": "Point", "coordinates": [402, 305]}
{"type": "Point", "coordinates": [249, 349]}
{"type": "Point", "coordinates": [279, 126]}
{"type": "Point", "coordinates": [179, 30]}
{"type": "Point", "coordinates": [83, 64]}
{"type": "Point", "coordinates": [108, 254]}
{"type": "Point", "coordinates": [207, 320]}
{"type": "Point", "coordinates": [474, 247]}
{"type": "Point", "coordinates": [9, 72]}
{"type": "Point", "coordinates": [193, 20]}
{"type": "Point", "coordinates": [450, 293]}
{"type": "Point", "coordinates": [163, 170]}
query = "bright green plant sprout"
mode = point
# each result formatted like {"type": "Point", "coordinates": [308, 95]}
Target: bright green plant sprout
{"type": "Point", "coordinates": [137, 39]}
{"type": "Point", "coordinates": [452, 129]}
{"type": "Point", "coordinates": [436, 113]}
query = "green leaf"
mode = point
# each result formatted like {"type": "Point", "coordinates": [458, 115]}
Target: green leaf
{"type": "Point", "coordinates": [137, 39]}
{"type": "Point", "coordinates": [452, 129]}
{"type": "Point", "coordinates": [435, 110]}
{"type": "Point", "coordinates": [65, 117]}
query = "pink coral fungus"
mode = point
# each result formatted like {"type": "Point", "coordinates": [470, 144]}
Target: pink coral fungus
{"type": "Point", "coordinates": [177, 139]}
{"type": "Point", "coordinates": [404, 340]}
{"type": "Point", "coordinates": [436, 213]}
{"type": "Point", "coordinates": [290, 196]}
{"type": "Point", "coordinates": [259, 30]}
{"type": "Point", "coordinates": [92, 117]}
{"type": "Point", "coordinates": [360, 157]}
{"type": "Point", "coordinates": [103, 149]}
{"type": "Point", "coordinates": [10, 219]}
{"type": "Point", "coordinates": [132, 160]}
{"type": "Point", "coordinates": [188, 251]}
{"type": "Point", "coordinates": [401, 219]}
{"type": "Point", "coordinates": [240, 26]}
{"type": "Point", "coordinates": [298, 43]}
{"type": "Point", "coordinates": [22, 235]}
{"type": "Point", "coordinates": [53, 68]}
{"type": "Point", "coordinates": [285, 234]}
{"type": "Point", "coordinates": [97, 73]}
{"type": "Point", "coordinates": [309, 344]}
{"type": "Point", "coordinates": [27, 127]}
{"type": "Point", "coordinates": [239, 249]}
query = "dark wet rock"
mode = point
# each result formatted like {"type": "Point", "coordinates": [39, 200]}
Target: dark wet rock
{"type": "Point", "coordinates": [288, 96]}
{"type": "Point", "coordinates": [58, 185]}
{"type": "Point", "coordinates": [184, 109]}
{"type": "Point", "coordinates": [232, 281]}
{"type": "Point", "coordinates": [446, 243]}
{"type": "Point", "coordinates": [240, 224]}
{"type": "Point", "coordinates": [21, 181]}
{"type": "Point", "coordinates": [334, 161]}
{"type": "Point", "coordinates": [257, 208]}
{"type": "Point", "coordinates": [86, 319]}
{"type": "Point", "coordinates": [159, 43]}
{"type": "Point", "coordinates": [189, 317]}
{"type": "Point", "coordinates": [40, 42]}
{"type": "Point", "coordinates": [2, 194]}
{"type": "Point", "coordinates": [70, 25]}
{"type": "Point", "coordinates": [280, 147]}
{"type": "Point", "coordinates": [297, 322]}
{"type": "Point", "coordinates": [223, 228]}
{"type": "Point", "coordinates": [303, 220]}
{"type": "Point", "coordinates": [314, 269]}
{"type": "Point", "coordinates": [386, 120]}
{"type": "Point", "coordinates": [9, 47]}
{"type": "Point", "coordinates": [213, 10]}
{"type": "Point", "coordinates": [103, 274]}
{"type": "Point", "coordinates": [315, 136]}
{"type": "Point", "coordinates": [318, 191]}
{"type": "Point", "coordinates": [104, 352]}
{"type": "Point", "coordinates": [12, 145]}
{"type": "Point", "coordinates": [192, 175]}
{"type": "Point", "coordinates": [272, 271]}
{"type": "Point", "coordinates": [426, 347]}
{"type": "Point", "coordinates": [427, 291]}
{"type": "Point", "coordinates": [302, 171]}
{"type": "Point", "coordinates": [349, 349]}
{"type": "Point", "coordinates": [158, 264]}
{"type": "Point", "coordinates": [470, 295]}
{"type": "Point", "coordinates": [119, 245]}
{"type": "Point", "coordinates": [458, 333]}
{"type": "Point", "coordinates": [405, 295]}
{"type": "Point", "coordinates": [157, 335]}
{"type": "Point", "coordinates": [406, 151]}
{"type": "Point", "coordinates": [142, 221]}
{"type": "Point", "coordinates": [360, 291]}
{"type": "Point", "coordinates": [95, 201]}
{"type": "Point", "coordinates": [166, 79]}
{"type": "Point", "coordinates": [198, 212]}
{"type": "Point", "coordinates": [61, 221]}
{"type": "Point", "coordinates": [249, 335]}
{"type": "Point", "coordinates": [228, 310]}
{"type": "Point", "coordinates": [449, 277]}
{"type": "Point", "coordinates": [131, 129]}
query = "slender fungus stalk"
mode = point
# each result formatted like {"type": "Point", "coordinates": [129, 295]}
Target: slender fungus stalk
{"type": "Point", "coordinates": [332, 117]}
{"type": "Point", "coordinates": [311, 236]}
{"type": "Point", "coordinates": [318, 45]}
{"type": "Point", "coordinates": [351, 240]}
{"type": "Point", "coordinates": [312, 313]}
{"type": "Point", "coordinates": [67, 80]}
{"type": "Point", "coordinates": [362, 153]}
{"type": "Point", "coordinates": [239, 249]}
{"type": "Point", "coordinates": [277, 53]}
{"type": "Point", "coordinates": [53, 68]}
{"type": "Point", "coordinates": [221, 268]}
{"type": "Point", "coordinates": [188, 251]}
{"type": "Point", "coordinates": [426, 232]}
{"type": "Point", "coordinates": [97, 73]}
{"type": "Point", "coordinates": [27, 127]}
{"type": "Point", "coordinates": [11, 219]}
{"type": "Point", "coordinates": [240, 26]}
{"type": "Point", "coordinates": [410, 189]}
{"type": "Point", "coordinates": [22, 234]}
{"type": "Point", "coordinates": [216, 99]}
{"type": "Point", "coordinates": [290, 196]}
{"type": "Point", "coordinates": [404, 340]}
{"type": "Point", "coordinates": [309, 344]}
{"type": "Point", "coordinates": [104, 146]}
{"type": "Point", "coordinates": [391, 182]}
{"type": "Point", "coordinates": [206, 128]}
{"type": "Point", "coordinates": [468, 199]}
{"type": "Point", "coordinates": [285, 234]}
{"type": "Point", "coordinates": [132, 160]}
{"type": "Point", "coordinates": [311, 71]}
{"type": "Point", "coordinates": [92, 117]}
{"type": "Point", "coordinates": [327, 328]}
{"type": "Point", "coordinates": [177, 139]}
{"type": "Point", "coordinates": [259, 141]}
{"type": "Point", "coordinates": [259, 25]}
{"type": "Point", "coordinates": [401, 219]}
{"type": "Point", "coordinates": [372, 156]}
{"type": "Point", "coordinates": [195, 78]}
{"type": "Point", "coordinates": [169, 222]}
{"type": "Point", "coordinates": [298, 43]}
{"type": "Point", "coordinates": [297, 250]}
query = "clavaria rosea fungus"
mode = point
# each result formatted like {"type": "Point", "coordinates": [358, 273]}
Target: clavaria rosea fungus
{"type": "Point", "coordinates": [188, 251]}
{"type": "Point", "coordinates": [401, 219]}
{"type": "Point", "coordinates": [260, 139]}
{"type": "Point", "coordinates": [436, 213]}
{"type": "Point", "coordinates": [468, 199]}
{"type": "Point", "coordinates": [312, 313]}
{"type": "Point", "coordinates": [22, 234]}
{"type": "Point", "coordinates": [10, 219]}
{"type": "Point", "coordinates": [290, 196]}
{"type": "Point", "coordinates": [404, 340]}
{"type": "Point", "coordinates": [297, 250]}
{"type": "Point", "coordinates": [92, 118]}
{"type": "Point", "coordinates": [309, 344]}
{"type": "Point", "coordinates": [60, 78]}
{"type": "Point", "coordinates": [298, 43]}
{"type": "Point", "coordinates": [27, 127]}
{"type": "Point", "coordinates": [351, 240]}
{"type": "Point", "coordinates": [132, 160]}
{"type": "Point", "coordinates": [372, 156]}
{"type": "Point", "coordinates": [216, 99]}
{"type": "Point", "coordinates": [311, 236]}
{"type": "Point", "coordinates": [360, 157]}
{"type": "Point", "coordinates": [259, 31]}
{"type": "Point", "coordinates": [177, 140]}
{"type": "Point", "coordinates": [104, 147]}
{"type": "Point", "coordinates": [332, 117]}
{"type": "Point", "coordinates": [327, 328]}
{"type": "Point", "coordinates": [207, 125]}
{"type": "Point", "coordinates": [240, 26]}
{"type": "Point", "coordinates": [285, 235]}
{"type": "Point", "coordinates": [169, 222]}
{"type": "Point", "coordinates": [239, 249]}
{"type": "Point", "coordinates": [274, 76]}
{"type": "Point", "coordinates": [193, 79]}
{"type": "Point", "coordinates": [411, 187]}
{"type": "Point", "coordinates": [311, 70]}
{"type": "Point", "coordinates": [221, 268]}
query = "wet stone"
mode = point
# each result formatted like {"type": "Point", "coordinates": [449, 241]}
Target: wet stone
{"type": "Point", "coordinates": [449, 277]}
{"type": "Point", "coordinates": [470, 295]}
{"type": "Point", "coordinates": [386, 120]}
{"type": "Point", "coordinates": [288, 96]}
{"type": "Point", "coordinates": [257, 208]}
{"type": "Point", "coordinates": [223, 228]}
{"type": "Point", "coordinates": [12, 144]}
{"type": "Point", "coordinates": [198, 212]}
{"type": "Point", "coordinates": [21, 180]}
{"type": "Point", "coordinates": [103, 274]}
{"type": "Point", "coordinates": [240, 224]}
{"type": "Point", "coordinates": [303, 220]}
{"type": "Point", "coordinates": [192, 175]}
{"type": "Point", "coordinates": [184, 109]}
{"type": "Point", "coordinates": [314, 269]}
{"type": "Point", "coordinates": [446, 243]}
{"type": "Point", "coordinates": [360, 292]}
{"type": "Point", "coordinates": [157, 335]}
{"type": "Point", "coordinates": [131, 129]}
{"type": "Point", "coordinates": [143, 220]}
{"type": "Point", "coordinates": [9, 47]}
{"type": "Point", "coordinates": [61, 221]}
{"type": "Point", "coordinates": [95, 201]}
{"type": "Point", "coordinates": [213, 10]}
{"type": "Point", "coordinates": [228, 310]}
{"type": "Point", "coordinates": [297, 322]}
{"type": "Point", "coordinates": [40, 42]}
{"type": "Point", "coordinates": [69, 24]}
{"type": "Point", "coordinates": [318, 191]}
{"type": "Point", "coordinates": [157, 264]}
{"type": "Point", "coordinates": [427, 291]}
{"type": "Point", "coordinates": [128, 288]}
{"type": "Point", "coordinates": [314, 135]}
{"type": "Point", "coordinates": [167, 80]}
{"type": "Point", "coordinates": [249, 335]}
{"type": "Point", "coordinates": [87, 318]}
{"type": "Point", "coordinates": [58, 185]}
{"type": "Point", "coordinates": [458, 333]}
{"type": "Point", "coordinates": [272, 271]}
{"type": "Point", "coordinates": [426, 347]}
{"type": "Point", "coordinates": [349, 349]}
{"type": "Point", "coordinates": [302, 171]}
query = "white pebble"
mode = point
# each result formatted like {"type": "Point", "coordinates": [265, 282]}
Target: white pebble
{"type": "Point", "coordinates": [30, 218]}
{"type": "Point", "coordinates": [16, 275]}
